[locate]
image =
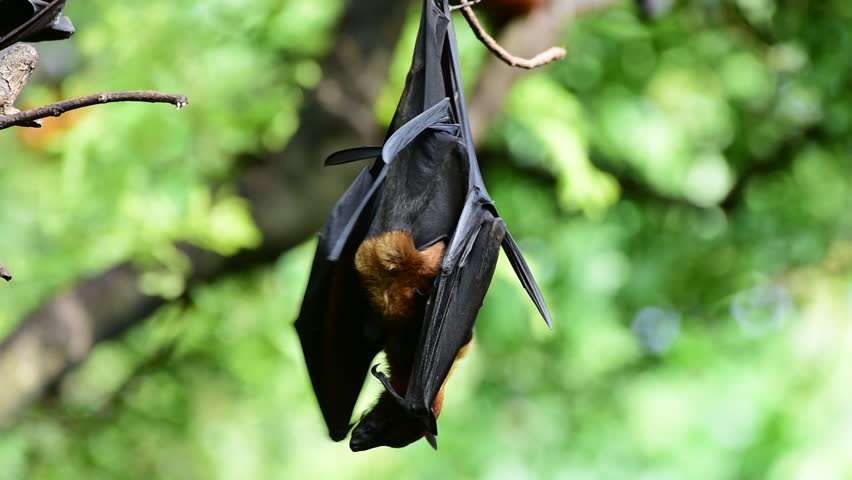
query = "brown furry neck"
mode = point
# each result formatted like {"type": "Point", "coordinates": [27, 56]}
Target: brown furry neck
{"type": "Point", "coordinates": [393, 271]}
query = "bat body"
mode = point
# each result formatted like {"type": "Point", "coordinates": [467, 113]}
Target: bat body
{"type": "Point", "coordinates": [405, 259]}
{"type": "Point", "coordinates": [33, 21]}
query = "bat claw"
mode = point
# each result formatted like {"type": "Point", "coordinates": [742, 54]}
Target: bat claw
{"type": "Point", "coordinates": [387, 384]}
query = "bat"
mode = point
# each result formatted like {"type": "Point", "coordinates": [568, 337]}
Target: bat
{"type": "Point", "coordinates": [33, 21]}
{"type": "Point", "coordinates": [405, 259]}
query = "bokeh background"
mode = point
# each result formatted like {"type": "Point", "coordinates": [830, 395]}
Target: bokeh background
{"type": "Point", "coordinates": [680, 186]}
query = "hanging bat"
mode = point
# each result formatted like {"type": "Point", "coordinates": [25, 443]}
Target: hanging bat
{"type": "Point", "coordinates": [405, 258]}
{"type": "Point", "coordinates": [33, 21]}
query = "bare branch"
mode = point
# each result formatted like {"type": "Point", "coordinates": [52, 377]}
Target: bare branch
{"type": "Point", "coordinates": [58, 108]}
{"type": "Point", "coordinates": [544, 26]}
{"type": "Point", "coordinates": [550, 55]}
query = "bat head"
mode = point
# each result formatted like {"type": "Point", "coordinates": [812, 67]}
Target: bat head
{"type": "Point", "coordinates": [394, 272]}
{"type": "Point", "coordinates": [388, 425]}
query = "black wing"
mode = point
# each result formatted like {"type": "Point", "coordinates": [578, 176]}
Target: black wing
{"type": "Point", "coordinates": [452, 308]}
{"type": "Point", "coordinates": [33, 21]}
{"type": "Point", "coordinates": [338, 330]}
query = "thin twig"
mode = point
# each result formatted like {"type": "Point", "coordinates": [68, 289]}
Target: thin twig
{"type": "Point", "coordinates": [58, 108]}
{"type": "Point", "coordinates": [5, 274]}
{"type": "Point", "coordinates": [550, 55]}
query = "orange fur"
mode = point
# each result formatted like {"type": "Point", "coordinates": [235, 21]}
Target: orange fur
{"type": "Point", "coordinates": [392, 269]}
{"type": "Point", "coordinates": [438, 404]}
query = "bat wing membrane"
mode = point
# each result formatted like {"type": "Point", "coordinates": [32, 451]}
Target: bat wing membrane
{"type": "Point", "coordinates": [453, 306]}
{"type": "Point", "coordinates": [339, 332]}
{"type": "Point", "coordinates": [337, 328]}
{"type": "Point", "coordinates": [526, 277]}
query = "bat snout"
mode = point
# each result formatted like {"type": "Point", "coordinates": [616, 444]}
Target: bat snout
{"type": "Point", "coordinates": [388, 424]}
{"type": "Point", "coordinates": [362, 439]}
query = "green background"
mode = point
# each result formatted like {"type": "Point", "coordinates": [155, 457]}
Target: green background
{"type": "Point", "coordinates": [681, 189]}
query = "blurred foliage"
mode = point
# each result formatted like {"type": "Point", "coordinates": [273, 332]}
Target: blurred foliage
{"type": "Point", "coordinates": [681, 188]}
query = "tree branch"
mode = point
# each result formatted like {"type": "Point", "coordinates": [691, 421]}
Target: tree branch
{"type": "Point", "coordinates": [550, 55]}
{"type": "Point", "coordinates": [58, 108]}
{"type": "Point", "coordinates": [534, 33]}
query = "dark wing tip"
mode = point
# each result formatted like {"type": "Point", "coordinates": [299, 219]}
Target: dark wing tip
{"type": "Point", "coordinates": [431, 423]}
{"type": "Point", "coordinates": [339, 433]}
{"type": "Point", "coordinates": [433, 441]}
{"type": "Point", "coordinates": [547, 318]}
{"type": "Point", "coordinates": [526, 277]}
